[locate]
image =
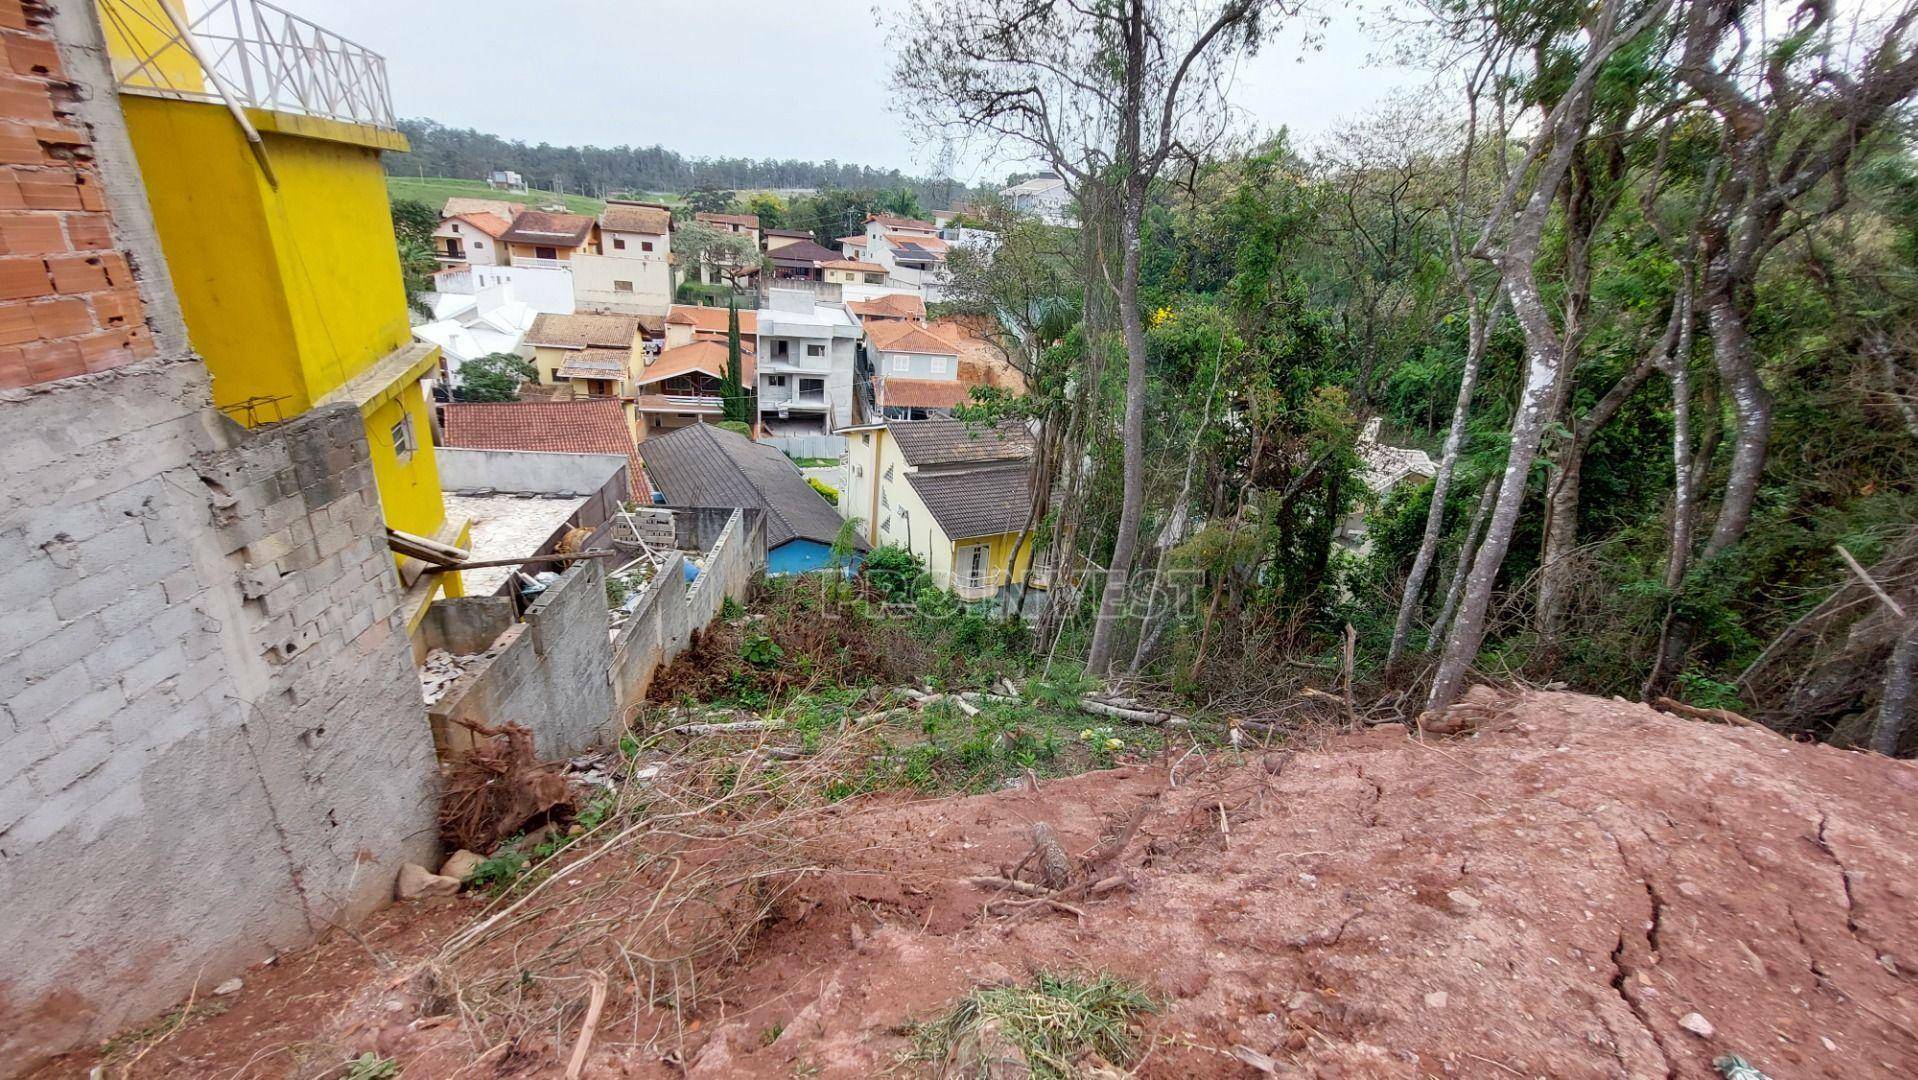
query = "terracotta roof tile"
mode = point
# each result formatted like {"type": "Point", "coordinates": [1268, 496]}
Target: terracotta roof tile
{"type": "Point", "coordinates": [900, 393]}
{"type": "Point", "coordinates": [704, 355]}
{"type": "Point", "coordinates": [854, 264]}
{"type": "Point", "coordinates": [591, 426]}
{"type": "Point", "coordinates": [621, 216]}
{"type": "Point", "coordinates": [750, 221]}
{"type": "Point", "coordinates": [889, 306]}
{"type": "Point", "coordinates": [580, 331]}
{"type": "Point", "coordinates": [899, 336]}
{"type": "Point", "coordinates": [552, 230]}
{"type": "Point", "coordinates": [956, 442]}
{"type": "Point", "coordinates": [893, 221]}
{"type": "Point", "coordinates": [595, 363]}
{"type": "Point", "coordinates": [491, 224]}
{"type": "Point", "coordinates": [712, 320]}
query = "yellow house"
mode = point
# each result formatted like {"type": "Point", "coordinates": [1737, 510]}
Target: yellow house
{"type": "Point", "coordinates": [273, 215]}
{"type": "Point", "coordinates": [584, 355]}
{"type": "Point", "coordinates": [954, 494]}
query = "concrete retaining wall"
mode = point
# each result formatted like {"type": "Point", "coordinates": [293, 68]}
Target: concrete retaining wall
{"type": "Point", "coordinates": [212, 745]}
{"type": "Point", "coordinates": [549, 671]}
{"type": "Point", "coordinates": [462, 469]}
{"type": "Point", "coordinates": [663, 623]}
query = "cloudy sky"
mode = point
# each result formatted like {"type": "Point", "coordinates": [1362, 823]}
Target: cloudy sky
{"type": "Point", "coordinates": [747, 78]}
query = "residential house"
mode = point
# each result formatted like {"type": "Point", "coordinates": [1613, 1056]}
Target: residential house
{"type": "Point", "coordinates": [889, 307]}
{"type": "Point", "coordinates": [584, 355]}
{"type": "Point", "coordinates": [539, 238]}
{"type": "Point", "coordinates": [912, 260]}
{"type": "Point", "coordinates": [688, 322]}
{"type": "Point", "coordinates": [505, 180]}
{"type": "Point", "coordinates": [288, 280]}
{"type": "Point", "coordinates": [471, 239]}
{"type": "Point", "coordinates": [468, 326]}
{"type": "Point", "coordinates": [954, 494]}
{"type": "Point", "coordinates": [1383, 468]}
{"type": "Point", "coordinates": [800, 260]}
{"type": "Point", "coordinates": [580, 426]}
{"type": "Point", "coordinates": [807, 354]}
{"type": "Point", "coordinates": [853, 272]}
{"type": "Point", "coordinates": [883, 224]}
{"type": "Point", "coordinates": [686, 384]}
{"type": "Point", "coordinates": [707, 466]}
{"type": "Point", "coordinates": [778, 238]}
{"type": "Point", "coordinates": [1043, 197]}
{"type": "Point", "coordinates": [915, 372]}
{"type": "Point", "coordinates": [629, 268]}
{"type": "Point", "coordinates": [855, 247]}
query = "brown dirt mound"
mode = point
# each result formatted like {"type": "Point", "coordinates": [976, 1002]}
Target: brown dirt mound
{"type": "Point", "coordinates": [1547, 897]}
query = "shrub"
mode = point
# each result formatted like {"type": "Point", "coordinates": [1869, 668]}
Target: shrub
{"type": "Point", "coordinates": [826, 491]}
{"type": "Point", "coordinates": [737, 427]}
{"type": "Point", "coordinates": [894, 572]}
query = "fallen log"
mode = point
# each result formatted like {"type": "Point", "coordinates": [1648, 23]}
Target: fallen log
{"type": "Point", "coordinates": [741, 727]}
{"type": "Point", "coordinates": [1149, 717]}
{"type": "Point", "coordinates": [1720, 716]}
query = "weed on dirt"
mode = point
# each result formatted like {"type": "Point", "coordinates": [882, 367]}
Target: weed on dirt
{"type": "Point", "coordinates": [1057, 1026]}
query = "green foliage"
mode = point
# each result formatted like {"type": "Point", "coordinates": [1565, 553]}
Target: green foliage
{"type": "Point", "coordinates": [826, 491]}
{"type": "Point", "coordinates": [770, 209]}
{"type": "Point", "coordinates": [499, 873]}
{"type": "Point", "coordinates": [370, 1066]}
{"type": "Point", "coordinates": [1054, 1023]}
{"type": "Point", "coordinates": [896, 573]}
{"type": "Point", "coordinates": [415, 220]}
{"type": "Point", "coordinates": [493, 377]}
{"type": "Point", "coordinates": [760, 650]}
{"type": "Point", "coordinates": [738, 399]}
{"type": "Point", "coordinates": [708, 200]}
{"type": "Point", "coordinates": [737, 427]}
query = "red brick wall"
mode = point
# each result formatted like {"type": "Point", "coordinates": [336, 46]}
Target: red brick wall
{"type": "Point", "coordinates": [68, 301]}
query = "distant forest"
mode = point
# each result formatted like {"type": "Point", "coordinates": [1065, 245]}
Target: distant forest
{"type": "Point", "coordinates": [439, 150]}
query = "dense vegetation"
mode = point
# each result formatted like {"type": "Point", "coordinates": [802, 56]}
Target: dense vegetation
{"type": "Point", "coordinates": [1633, 248]}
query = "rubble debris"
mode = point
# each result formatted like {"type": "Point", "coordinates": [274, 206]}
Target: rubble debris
{"type": "Point", "coordinates": [1697, 1025]}
{"type": "Point", "coordinates": [442, 669]}
{"type": "Point", "coordinates": [461, 865]}
{"type": "Point", "coordinates": [229, 988]}
{"type": "Point", "coordinates": [416, 882]}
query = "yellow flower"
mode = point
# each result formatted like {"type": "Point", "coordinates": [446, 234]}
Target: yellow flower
{"type": "Point", "coordinates": [1115, 744]}
{"type": "Point", "coordinates": [1161, 315]}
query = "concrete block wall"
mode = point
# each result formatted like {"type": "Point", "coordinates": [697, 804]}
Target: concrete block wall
{"type": "Point", "coordinates": [552, 671]}
{"type": "Point", "coordinates": [212, 745]}
{"type": "Point", "coordinates": [663, 623]}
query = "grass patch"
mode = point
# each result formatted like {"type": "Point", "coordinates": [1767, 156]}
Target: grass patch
{"type": "Point", "coordinates": [1049, 1028]}
{"type": "Point", "coordinates": [816, 462]}
{"type": "Point", "coordinates": [435, 190]}
{"type": "Point", "coordinates": [136, 1042]}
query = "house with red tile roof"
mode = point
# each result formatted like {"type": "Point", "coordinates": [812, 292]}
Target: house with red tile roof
{"type": "Point", "coordinates": [582, 426]}
{"type": "Point", "coordinates": [686, 384]}
{"type": "Point", "coordinates": [471, 239]}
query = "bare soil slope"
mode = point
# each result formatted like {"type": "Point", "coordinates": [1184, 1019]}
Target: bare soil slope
{"type": "Point", "coordinates": [1546, 897]}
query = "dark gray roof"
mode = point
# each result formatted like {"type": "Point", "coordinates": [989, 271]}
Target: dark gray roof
{"type": "Point", "coordinates": [976, 502]}
{"type": "Point", "coordinates": [704, 465]}
{"type": "Point", "coordinates": [803, 251]}
{"type": "Point", "coordinates": [956, 442]}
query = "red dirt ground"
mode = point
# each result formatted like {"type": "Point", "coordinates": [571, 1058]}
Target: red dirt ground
{"type": "Point", "coordinates": [1546, 897]}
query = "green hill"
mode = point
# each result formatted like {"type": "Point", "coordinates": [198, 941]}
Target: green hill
{"type": "Point", "coordinates": [435, 190]}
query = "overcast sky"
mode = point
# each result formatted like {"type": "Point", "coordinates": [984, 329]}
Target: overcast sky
{"type": "Point", "coordinates": [745, 78]}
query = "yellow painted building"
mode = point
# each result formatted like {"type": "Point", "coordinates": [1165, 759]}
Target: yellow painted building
{"type": "Point", "coordinates": [283, 257]}
{"type": "Point", "coordinates": [955, 495]}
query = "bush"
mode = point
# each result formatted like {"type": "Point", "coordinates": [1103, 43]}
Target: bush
{"type": "Point", "coordinates": [826, 491]}
{"type": "Point", "coordinates": [894, 572]}
{"type": "Point", "coordinates": [737, 427]}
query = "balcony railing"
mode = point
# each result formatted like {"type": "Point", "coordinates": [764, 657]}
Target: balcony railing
{"type": "Point", "coordinates": [249, 53]}
{"type": "Point", "coordinates": [528, 262]}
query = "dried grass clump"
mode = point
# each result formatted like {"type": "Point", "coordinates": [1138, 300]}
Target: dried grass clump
{"type": "Point", "coordinates": [1057, 1026]}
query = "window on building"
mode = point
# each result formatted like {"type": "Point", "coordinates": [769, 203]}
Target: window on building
{"type": "Point", "coordinates": [545, 253]}
{"type": "Point", "coordinates": [403, 436]}
{"type": "Point", "coordinates": [901, 362]}
{"type": "Point", "coordinates": [815, 350]}
{"type": "Point", "coordinates": [622, 286]}
{"type": "Point", "coordinates": [865, 438]}
{"type": "Point", "coordinates": [885, 524]}
{"type": "Point", "coordinates": [875, 279]}
{"type": "Point", "coordinates": [619, 244]}
{"type": "Point", "coordinates": [645, 245]}
{"type": "Point", "coordinates": [782, 349]}
{"type": "Point", "coordinates": [938, 365]}
{"type": "Point", "coordinates": [888, 472]}
{"type": "Point", "coordinates": [884, 499]}
{"type": "Point", "coordinates": [456, 226]}
{"type": "Point", "coordinates": [479, 243]}
{"type": "Point", "coordinates": [776, 380]}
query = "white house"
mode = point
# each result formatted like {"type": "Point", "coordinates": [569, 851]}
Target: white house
{"type": "Point", "coordinates": [471, 239]}
{"type": "Point", "coordinates": [805, 358]}
{"type": "Point", "coordinates": [1043, 197]}
{"type": "Point", "coordinates": [505, 180]}
{"type": "Point", "coordinates": [629, 267]}
{"type": "Point", "coordinates": [467, 326]}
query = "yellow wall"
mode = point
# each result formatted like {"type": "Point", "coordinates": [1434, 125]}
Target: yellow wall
{"type": "Point", "coordinates": [134, 30]}
{"type": "Point", "coordinates": [287, 292]}
{"type": "Point", "coordinates": [410, 485]}
{"type": "Point", "coordinates": [531, 251]}
{"type": "Point", "coordinates": [922, 536]}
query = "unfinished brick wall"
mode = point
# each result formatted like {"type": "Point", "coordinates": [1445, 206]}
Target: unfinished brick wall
{"type": "Point", "coordinates": [69, 304]}
{"type": "Point", "coordinates": [212, 744]}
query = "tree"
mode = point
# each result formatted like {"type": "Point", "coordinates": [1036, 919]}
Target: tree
{"type": "Point", "coordinates": [493, 377]}
{"type": "Point", "coordinates": [1106, 94]}
{"type": "Point", "coordinates": [733, 256]}
{"type": "Point", "coordinates": [769, 208]}
{"type": "Point", "coordinates": [736, 397]}
{"type": "Point", "coordinates": [414, 220]}
{"type": "Point", "coordinates": [706, 200]}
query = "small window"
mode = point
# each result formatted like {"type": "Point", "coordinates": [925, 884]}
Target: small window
{"type": "Point", "coordinates": [885, 525]}
{"type": "Point", "coordinates": [619, 244]}
{"type": "Point", "coordinates": [815, 350]}
{"type": "Point", "coordinates": [865, 438]}
{"type": "Point", "coordinates": [875, 279]}
{"type": "Point", "coordinates": [781, 349]}
{"type": "Point", "coordinates": [403, 436]}
{"type": "Point", "coordinates": [645, 245]}
{"type": "Point", "coordinates": [545, 253]}
{"type": "Point", "coordinates": [884, 499]}
{"type": "Point", "coordinates": [456, 226]}
{"type": "Point", "coordinates": [479, 243]}
{"type": "Point", "coordinates": [901, 362]}
{"type": "Point", "coordinates": [622, 286]}
{"type": "Point", "coordinates": [888, 473]}
{"type": "Point", "coordinates": [938, 365]}
{"type": "Point", "coordinates": [775, 380]}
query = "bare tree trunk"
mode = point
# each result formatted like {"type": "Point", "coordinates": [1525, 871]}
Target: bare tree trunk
{"type": "Point", "coordinates": [1477, 333]}
{"type": "Point", "coordinates": [1112, 600]}
{"type": "Point", "coordinates": [1751, 405]}
{"type": "Point", "coordinates": [1894, 707]}
{"type": "Point", "coordinates": [1468, 547]}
